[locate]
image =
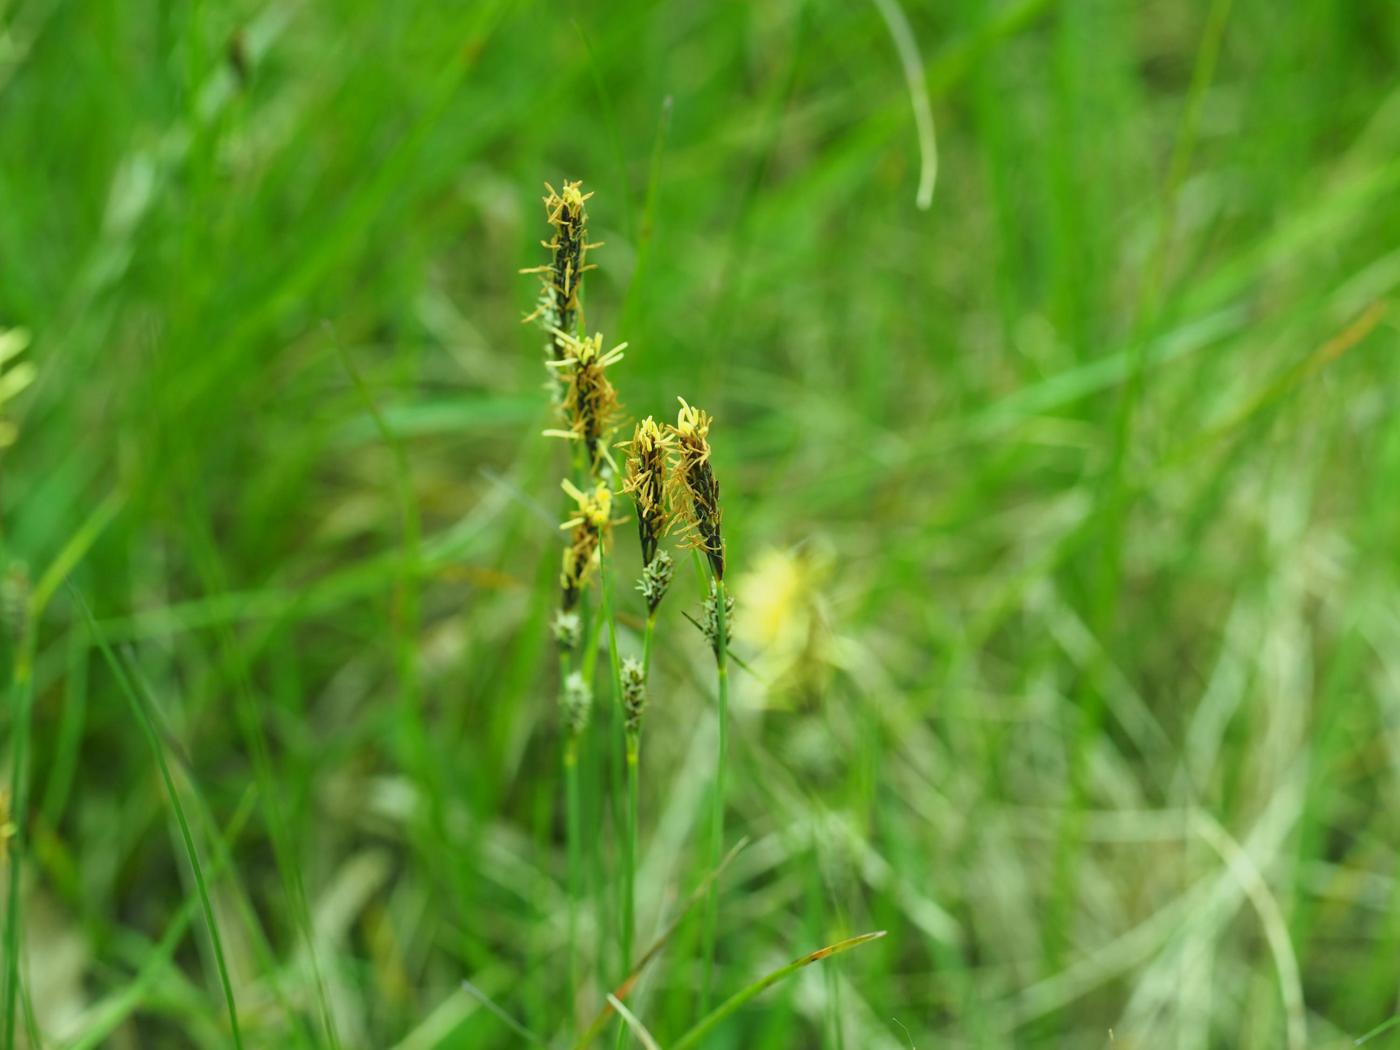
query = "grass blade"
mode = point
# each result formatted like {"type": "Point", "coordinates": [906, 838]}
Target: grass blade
{"type": "Point", "coordinates": [500, 1014]}
{"type": "Point", "coordinates": [113, 1010]}
{"type": "Point", "coordinates": [638, 1029]}
{"type": "Point", "coordinates": [21, 696]}
{"type": "Point", "coordinates": [730, 1005]}
{"type": "Point", "coordinates": [21, 702]}
{"type": "Point", "coordinates": [124, 682]}
{"type": "Point", "coordinates": [625, 988]}
{"type": "Point", "coordinates": [1380, 1029]}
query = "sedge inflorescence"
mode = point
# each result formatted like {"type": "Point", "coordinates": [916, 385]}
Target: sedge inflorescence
{"type": "Point", "coordinates": [667, 474]}
{"type": "Point", "coordinates": [670, 479]}
{"type": "Point", "coordinates": [694, 488]}
{"type": "Point", "coordinates": [589, 402]}
{"type": "Point", "coordinates": [592, 518]}
{"type": "Point", "coordinates": [650, 447]}
{"type": "Point", "coordinates": [559, 309]}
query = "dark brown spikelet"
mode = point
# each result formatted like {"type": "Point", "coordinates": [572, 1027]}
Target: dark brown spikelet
{"type": "Point", "coordinates": [694, 488]}
{"type": "Point", "coordinates": [559, 310]}
{"type": "Point", "coordinates": [646, 483]}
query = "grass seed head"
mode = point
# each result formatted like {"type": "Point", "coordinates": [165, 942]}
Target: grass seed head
{"type": "Point", "coordinates": [649, 450]}
{"type": "Point", "coordinates": [694, 488]}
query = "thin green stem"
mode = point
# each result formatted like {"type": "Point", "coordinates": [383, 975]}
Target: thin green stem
{"type": "Point", "coordinates": [647, 632]}
{"type": "Point", "coordinates": [629, 845]}
{"type": "Point", "coordinates": [717, 799]}
{"type": "Point", "coordinates": [633, 836]}
{"type": "Point", "coordinates": [615, 737]}
{"type": "Point", "coordinates": [708, 1023]}
{"type": "Point", "coordinates": [21, 695]}
{"type": "Point", "coordinates": [629, 861]}
{"type": "Point", "coordinates": [572, 830]}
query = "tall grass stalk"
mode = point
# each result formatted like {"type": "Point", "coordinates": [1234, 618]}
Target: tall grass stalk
{"type": "Point", "coordinates": [21, 697]}
{"type": "Point", "coordinates": [617, 746]}
{"type": "Point", "coordinates": [629, 863]}
{"type": "Point", "coordinates": [148, 729]}
{"type": "Point", "coordinates": [34, 603]}
{"type": "Point", "coordinates": [648, 631]}
{"type": "Point", "coordinates": [112, 1011]}
{"type": "Point", "coordinates": [634, 701]}
{"type": "Point", "coordinates": [717, 798]}
{"type": "Point", "coordinates": [695, 493]}
{"type": "Point", "coordinates": [573, 833]}
{"type": "Point", "coordinates": [630, 839]}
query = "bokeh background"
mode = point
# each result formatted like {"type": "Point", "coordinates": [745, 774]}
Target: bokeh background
{"type": "Point", "coordinates": [1062, 515]}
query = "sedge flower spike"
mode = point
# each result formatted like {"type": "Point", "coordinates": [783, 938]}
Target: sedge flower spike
{"type": "Point", "coordinates": [576, 702]}
{"type": "Point", "coordinates": [590, 404]}
{"type": "Point", "coordinates": [589, 522]}
{"type": "Point", "coordinates": [645, 481]}
{"type": "Point", "coordinates": [710, 616]}
{"type": "Point", "coordinates": [559, 310]}
{"type": "Point", "coordinates": [656, 579]}
{"type": "Point", "coordinates": [634, 693]}
{"type": "Point", "coordinates": [694, 488]}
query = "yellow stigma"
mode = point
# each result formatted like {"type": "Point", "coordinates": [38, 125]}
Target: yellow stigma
{"type": "Point", "coordinates": [693, 425]}
{"type": "Point", "coordinates": [594, 508]}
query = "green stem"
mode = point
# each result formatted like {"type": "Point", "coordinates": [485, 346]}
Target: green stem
{"type": "Point", "coordinates": [571, 805]}
{"type": "Point", "coordinates": [629, 842]}
{"type": "Point", "coordinates": [629, 863]}
{"type": "Point", "coordinates": [717, 800]}
{"type": "Point", "coordinates": [647, 632]}
{"type": "Point", "coordinates": [21, 695]}
{"type": "Point", "coordinates": [619, 720]}
{"type": "Point", "coordinates": [633, 836]}
{"type": "Point", "coordinates": [708, 1023]}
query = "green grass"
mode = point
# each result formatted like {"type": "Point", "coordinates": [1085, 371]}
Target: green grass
{"type": "Point", "coordinates": [1061, 519]}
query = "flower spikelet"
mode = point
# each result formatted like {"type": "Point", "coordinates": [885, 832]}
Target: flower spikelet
{"type": "Point", "coordinates": [694, 488]}
{"type": "Point", "coordinates": [576, 702]}
{"type": "Point", "coordinates": [634, 693]}
{"type": "Point", "coordinates": [559, 308]}
{"type": "Point", "coordinates": [649, 450]}
{"type": "Point", "coordinates": [567, 628]}
{"type": "Point", "coordinates": [710, 616]}
{"type": "Point", "coordinates": [590, 402]}
{"type": "Point", "coordinates": [656, 579]}
{"type": "Point", "coordinates": [588, 525]}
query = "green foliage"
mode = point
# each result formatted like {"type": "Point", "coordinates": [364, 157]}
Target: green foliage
{"type": "Point", "coordinates": [1060, 519]}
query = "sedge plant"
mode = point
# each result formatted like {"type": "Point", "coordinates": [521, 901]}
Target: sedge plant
{"type": "Point", "coordinates": [672, 484]}
{"type": "Point", "coordinates": [587, 404]}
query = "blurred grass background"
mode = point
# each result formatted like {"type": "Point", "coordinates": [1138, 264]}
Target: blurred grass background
{"type": "Point", "coordinates": [1062, 515]}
